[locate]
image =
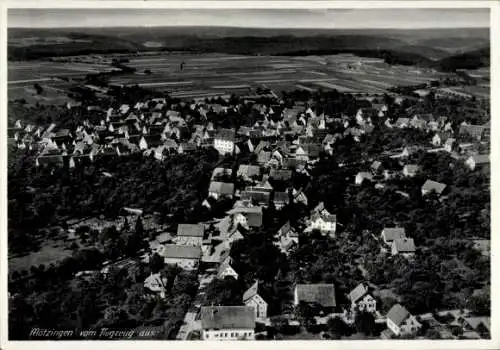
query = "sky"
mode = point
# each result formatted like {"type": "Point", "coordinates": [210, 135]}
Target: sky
{"type": "Point", "coordinates": [254, 18]}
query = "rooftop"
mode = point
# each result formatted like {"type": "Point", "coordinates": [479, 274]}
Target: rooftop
{"type": "Point", "coordinates": [227, 317]}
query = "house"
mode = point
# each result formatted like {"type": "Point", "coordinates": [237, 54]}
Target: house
{"type": "Point", "coordinates": [186, 147]}
{"type": "Point", "coordinates": [227, 323]}
{"type": "Point", "coordinates": [247, 216]}
{"type": "Point", "coordinates": [155, 284]}
{"type": "Point", "coordinates": [287, 238]}
{"type": "Point", "coordinates": [389, 234]}
{"type": "Point", "coordinates": [323, 221]}
{"type": "Point", "coordinates": [322, 295]}
{"type": "Point", "coordinates": [256, 196]}
{"type": "Point", "coordinates": [403, 246]}
{"type": "Point", "coordinates": [436, 140]}
{"type": "Point", "coordinates": [222, 172]}
{"type": "Point", "coordinates": [150, 141]}
{"type": "Point", "coordinates": [224, 141]}
{"type": "Point", "coordinates": [410, 170]}
{"type": "Point", "coordinates": [299, 197]}
{"type": "Point", "coordinates": [476, 132]}
{"type": "Point", "coordinates": [402, 123]}
{"type": "Point", "coordinates": [432, 186]}
{"type": "Point", "coordinates": [481, 161]}
{"type": "Point", "coordinates": [376, 167]}
{"type": "Point", "coordinates": [281, 199]}
{"type": "Point", "coordinates": [190, 234]}
{"type": "Point", "coordinates": [248, 171]}
{"type": "Point", "coordinates": [221, 190]}
{"type": "Point", "coordinates": [184, 256]}
{"type": "Point", "coordinates": [253, 299]}
{"type": "Point", "coordinates": [263, 157]}
{"type": "Point", "coordinates": [401, 322]}
{"type": "Point", "coordinates": [362, 300]}
{"type": "Point", "coordinates": [481, 325]}
{"type": "Point", "coordinates": [362, 176]}
{"type": "Point", "coordinates": [226, 270]}
{"type": "Point", "coordinates": [280, 175]}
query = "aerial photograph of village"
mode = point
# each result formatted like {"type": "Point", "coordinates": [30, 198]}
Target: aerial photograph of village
{"type": "Point", "coordinates": [257, 174]}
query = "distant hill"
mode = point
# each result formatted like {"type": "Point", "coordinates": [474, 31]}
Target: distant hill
{"type": "Point", "coordinates": [468, 60]}
{"type": "Point", "coordinates": [411, 47]}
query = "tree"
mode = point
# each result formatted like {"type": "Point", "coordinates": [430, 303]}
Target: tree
{"type": "Point", "coordinates": [365, 322]}
{"type": "Point", "coordinates": [338, 327]}
{"type": "Point", "coordinates": [156, 263]}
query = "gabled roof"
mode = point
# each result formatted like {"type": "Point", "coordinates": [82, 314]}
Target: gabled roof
{"type": "Point", "coordinates": [227, 317]}
{"type": "Point", "coordinates": [251, 292]}
{"type": "Point", "coordinates": [404, 245]}
{"type": "Point", "coordinates": [481, 159]}
{"type": "Point", "coordinates": [283, 175]}
{"type": "Point", "coordinates": [357, 293]}
{"type": "Point", "coordinates": [248, 170]}
{"type": "Point", "coordinates": [430, 185]}
{"type": "Point", "coordinates": [174, 251]}
{"type": "Point", "coordinates": [397, 314]}
{"type": "Point", "coordinates": [221, 171]}
{"type": "Point", "coordinates": [225, 134]}
{"type": "Point", "coordinates": [392, 233]}
{"type": "Point", "coordinates": [225, 264]}
{"type": "Point", "coordinates": [259, 196]}
{"type": "Point", "coordinates": [221, 188]}
{"type": "Point", "coordinates": [322, 294]}
{"type": "Point", "coordinates": [190, 230]}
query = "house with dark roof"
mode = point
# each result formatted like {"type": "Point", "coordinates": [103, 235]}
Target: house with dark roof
{"type": "Point", "coordinates": [150, 141]}
{"type": "Point", "coordinates": [190, 234]}
{"type": "Point", "coordinates": [253, 298]}
{"type": "Point", "coordinates": [227, 322]}
{"type": "Point", "coordinates": [476, 132]}
{"type": "Point", "coordinates": [186, 257]}
{"type": "Point", "coordinates": [361, 299]}
{"type": "Point", "coordinates": [432, 186]}
{"type": "Point", "coordinates": [321, 295]}
{"type": "Point", "coordinates": [322, 220]}
{"type": "Point", "coordinates": [219, 190]}
{"type": "Point", "coordinates": [400, 322]}
{"type": "Point", "coordinates": [221, 172]}
{"type": "Point", "coordinates": [255, 196]}
{"type": "Point", "coordinates": [403, 246]}
{"type": "Point", "coordinates": [389, 234]}
{"type": "Point", "coordinates": [280, 175]}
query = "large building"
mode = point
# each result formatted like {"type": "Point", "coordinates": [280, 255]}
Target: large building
{"type": "Point", "coordinates": [224, 141]}
{"type": "Point", "coordinates": [227, 323]}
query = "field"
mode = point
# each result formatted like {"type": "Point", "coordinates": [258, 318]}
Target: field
{"type": "Point", "coordinates": [214, 74]}
{"type": "Point", "coordinates": [50, 252]}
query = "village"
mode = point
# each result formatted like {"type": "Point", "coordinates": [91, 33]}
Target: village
{"type": "Point", "coordinates": [260, 167]}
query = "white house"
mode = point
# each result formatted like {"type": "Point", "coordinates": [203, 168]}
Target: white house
{"type": "Point", "coordinates": [401, 322]}
{"type": "Point", "coordinates": [227, 323]}
{"type": "Point", "coordinates": [410, 170]}
{"type": "Point", "coordinates": [224, 141]}
{"type": "Point", "coordinates": [361, 299]}
{"type": "Point", "coordinates": [403, 246]}
{"type": "Point", "coordinates": [362, 176]}
{"type": "Point", "coordinates": [253, 299]}
{"type": "Point", "coordinates": [226, 270]}
{"type": "Point", "coordinates": [156, 284]}
{"type": "Point", "coordinates": [186, 257]}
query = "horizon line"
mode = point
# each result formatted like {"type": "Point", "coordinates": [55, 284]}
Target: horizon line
{"type": "Point", "coordinates": [250, 27]}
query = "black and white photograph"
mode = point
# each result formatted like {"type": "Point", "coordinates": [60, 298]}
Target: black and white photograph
{"type": "Point", "coordinates": [248, 174]}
